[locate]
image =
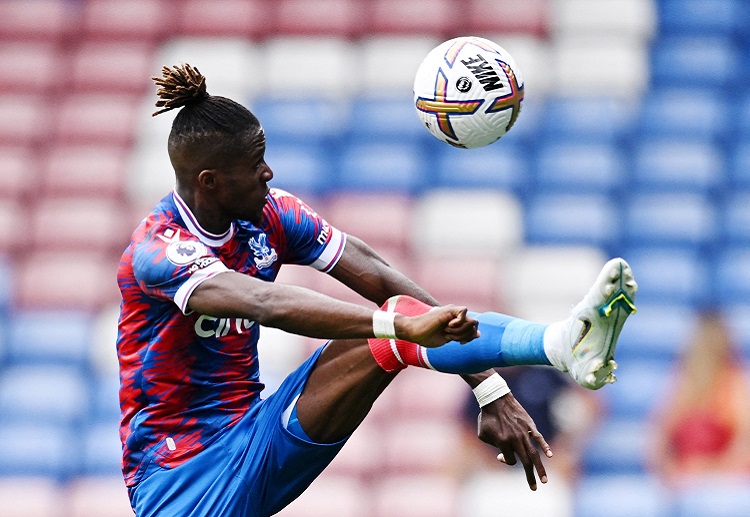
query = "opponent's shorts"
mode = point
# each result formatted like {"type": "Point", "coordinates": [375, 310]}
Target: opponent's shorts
{"type": "Point", "coordinates": [254, 469]}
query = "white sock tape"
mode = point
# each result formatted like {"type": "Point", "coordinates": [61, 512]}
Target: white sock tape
{"type": "Point", "coordinates": [491, 389]}
{"type": "Point", "coordinates": [383, 324]}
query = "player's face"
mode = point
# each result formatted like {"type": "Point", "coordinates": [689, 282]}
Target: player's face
{"type": "Point", "coordinates": [245, 183]}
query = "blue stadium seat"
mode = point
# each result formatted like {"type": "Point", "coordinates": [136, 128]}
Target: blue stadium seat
{"type": "Point", "coordinates": [742, 112]}
{"type": "Point", "coordinates": [638, 390]}
{"type": "Point", "coordinates": [102, 450]}
{"type": "Point", "coordinates": [685, 113]}
{"type": "Point", "coordinates": [717, 496]}
{"type": "Point", "coordinates": [390, 118]}
{"type": "Point", "coordinates": [617, 446]}
{"type": "Point", "coordinates": [621, 495]}
{"type": "Point", "coordinates": [302, 169]}
{"type": "Point", "coordinates": [37, 450]}
{"type": "Point", "coordinates": [671, 275]}
{"type": "Point", "coordinates": [502, 165]}
{"type": "Point", "coordinates": [57, 394]}
{"type": "Point", "coordinates": [714, 17]}
{"type": "Point", "coordinates": [695, 62]}
{"type": "Point", "coordinates": [382, 167]}
{"type": "Point", "coordinates": [735, 218]}
{"type": "Point", "coordinates": [292, 120]}
{"type": "Point", "coordinates": [739, 164]}
{"type": "Point", "coordinates": [50, 336]}
{"type": "Point", "coordinates": [587, 119]}
{"type": "Point", "coordinates": [738, 319]}
{"type": "Point", "coordinates": [580, 167]}
{"type": "Point", "coordinates": [106, 398]}
{"type": "Point", "coordinates": [687, 220]}
{"type": "Point", "coordinates": [732, 267]}
{"type": "Point", "coordinates": [658, 331]}
{"type": "Point", "coordinates": [572, 219]}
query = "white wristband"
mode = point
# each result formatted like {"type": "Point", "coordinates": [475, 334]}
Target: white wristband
{"type": "Point", "coordinates": [383, 324]}
{"type": "Point", "coordinates": [491, 389]}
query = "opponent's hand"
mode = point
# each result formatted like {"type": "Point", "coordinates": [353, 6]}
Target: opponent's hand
{"type": "Point", "coordinates": [505, 424]}
{"type": "Point", "coordinates": [438, 326]}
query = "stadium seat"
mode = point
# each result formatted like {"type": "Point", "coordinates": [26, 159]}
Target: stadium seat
{"type": "Point", "coordinates": [576, 167]}
{"type": "Point", "coordinates": [24, 119]}
{"type": "Point", "coordinates": [441, 396]}
{"type": "Point", "coordinates": [331, 494]}
{"type": "Point", "coordinates": [685, 113]}
{"type": "Point", "coordinates": [503, 165]}
{"type": "Point", "coordinates": [382, 221]}
{"type": "Point", "coordinates": [739, 164]}
{"type": "Point", "coordinates": [286, 121]}
{"type": "Point", "coordinates": [43, 394]}
{"type": "Point", "coordinates": [105, 388]}
{"type": "Point", "coordinates": [659, 332]}
{"type": "Point", "coordinates": [670, 219]}
{"type": "Point", "coordinates": [586, 119]}
{"type": "Point", "coordinates": [321, 66]}
{"type": "Point", "coordinates": [66, 279]}
{"type": "Point", "coordinates": [621, 495]}
{"type": "Point", "coordinates": [742, 115]}
{"type": "Point", "coordinates": [20, 172]}
{"type": "Point", "coordinates": [506, 16]}
{"type": "Point", "coordinates": [14, 225]}
{"type": "Point", "coordinates": [90, 170]}
{"type": "Point", "coordinates": [732, 275]}
{"type": "Point", "coordinates": [420, 495]}
{"type": "Point", "coordinates": [232, 67]}
{"type": "Point", "coordinates": [61, 337]}
{"type": "Point", "coordinates": [532, 56]}
{"type": "Point", "coordinates": [112, 67]}
{"type": "Point", "coordinates": [102, 450]}
{"type": "Point", "coordinates": [37, 450]}
{"type": "Point", "coordinates": [95, 118]}
{"type": "Point", "coordinates": [381, 167]}
{"type": "Point", "coordinates": [254, 19]}
{"type": "Point", "coordinates": [342, 18]}
{"type": "Point", "coordinates": [7, 292]}
{"type": "Point", "coordinates": [695, 62]}
{"type": "Point", "coordinates": [457, 223]}
{"type": "Point", "coordinates": [78, 223]}
{"type": "Point", "coordinates": [29, 67]}
{"type": "Point", "coordinates": [388, 64]}
{"type": "Point", "coordinates": [103, 496]}
{"type": "Point", "coordinates": [639, 390]}
{"type": "Point", "coordinates": [714, 496]}
{"type": "Point", "coordinates": [572, 219]}
{"type": "Point", "coordinates": [427, 17]}
{"type": "Point", "coordinates": [30, 496]}
{"type": "Point", "coordinates": [470, 281]}
{"type": "Point", "coordinates": [421, 445]}
{"type": "Point", "coordinates": [36, 20]}
{"type": "Point", "coordinates": [631, 18]}
{"type": "Point", "coordinates": [701, 17]}
{"type": "Point", "coordinates": [141, 20]}
{"type": "Point", "coordinates": [392, 118]}
{"type": "Point", "coordinates": [671, 275]}
{"type": "Point", "coordinates": [362, 456]}
{"type": "Point", "coordinates": [600, 66]}
{"type": "Point", "coordinates": [668, 165]}
{"type": "Point", "coordinates": [304, 170]}
{"type": "Point", "coordinates": [738, 319]}
{"type": "Point", "coordinates": [617, 446]}
{"type": "Point", "coordinates": [735, 218]}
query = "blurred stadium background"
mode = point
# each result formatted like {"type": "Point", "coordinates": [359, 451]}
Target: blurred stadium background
{"type": "Point", "coordinates": [634, 140]}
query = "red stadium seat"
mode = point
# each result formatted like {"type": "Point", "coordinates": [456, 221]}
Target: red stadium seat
{"type": "Point", "coordinates": [421, 495]}
{"type": "Point", "coordinates": [344, 18]}
{"type": "Point", "coordinates": [38, 496]}
{"type": "Point", "coordinates": [69, 280]}
{"type": "Point", "coordinates": [29, 67]}
{"type": "Point", "coordinates": [20, 172]}
{"type": "Point", "coordinates": [143, 20]}
{"type": "Point", "coordinates": [111, 67]}
{"type": "Point", "coordinates": [43, 20]}
{"type": "Point", "coordinates": [421, 445]}
{"type": "Point", "coordinates": [97, 170]}
{"type": "Point", "coordinates": [427, 17]}
{"type": "Point", "coordinates": [103, 496]}
{"type": "Point", "coordinates": [504, 16]}
{"type": "Point", "coordinates": [245, 18]}
{"type": "Point", "coordinates": [96, 118]}
{"type": "Point", "coordinates": [441, 396]}
{"type": "Point", "coordinates": [330, 495]}
{"type": "Point", "coordinates": [24, 119]}
{"type": "Point", "coordinates": [13, 225]}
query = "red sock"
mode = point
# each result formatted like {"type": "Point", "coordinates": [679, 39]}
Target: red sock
{"type": "Point", "coordinates": [394, 354]}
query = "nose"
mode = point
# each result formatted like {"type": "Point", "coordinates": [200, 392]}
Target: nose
{"type": "Point", "coordinates": [267, 174]}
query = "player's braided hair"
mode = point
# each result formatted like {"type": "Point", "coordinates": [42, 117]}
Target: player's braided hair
{"type": "Point", "coordinates": [205, 123]}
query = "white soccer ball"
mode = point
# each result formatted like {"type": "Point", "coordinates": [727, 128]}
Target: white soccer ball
{"type": "Point", "coordinates": [468, 91]}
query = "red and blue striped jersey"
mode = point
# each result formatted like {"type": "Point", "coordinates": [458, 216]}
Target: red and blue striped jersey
{"type": "Point", "coordinates": [183, 375]}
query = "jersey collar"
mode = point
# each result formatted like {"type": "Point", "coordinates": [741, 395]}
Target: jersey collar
{"type": "Point", "coordinates": [208, 238]}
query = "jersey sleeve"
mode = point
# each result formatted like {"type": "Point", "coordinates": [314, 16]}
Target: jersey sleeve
{"type": "Point", "coordinates": [310, 240]}
{"type": "Point", "coordinates": [170, 263]}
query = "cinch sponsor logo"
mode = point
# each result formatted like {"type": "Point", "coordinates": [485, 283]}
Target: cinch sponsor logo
{"type": "Point", "coordinates": [208, 326]}
{"type": "Point", "coordinates": [483, 71]}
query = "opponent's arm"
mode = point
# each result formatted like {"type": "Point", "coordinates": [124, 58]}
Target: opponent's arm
{"type": "Point", "coordinates": [503, 423]}
{"type": "Point", "coordinates": [302, 311]}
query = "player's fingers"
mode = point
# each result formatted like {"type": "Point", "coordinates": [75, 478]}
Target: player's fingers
{"type": "Point", "coordinates": [507, 456]}
{"type": "Point", "coordinates": [526, 458]}
{"type": "Point", "coordinates": [539, 439]}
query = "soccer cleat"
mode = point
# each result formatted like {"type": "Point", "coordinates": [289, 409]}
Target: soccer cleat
{"type": "Point", "coordinates": [589, 335]}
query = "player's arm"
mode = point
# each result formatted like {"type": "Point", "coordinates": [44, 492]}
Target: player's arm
{"type": "Point", "coordinates": [503, 423]}
{"type": "Point", "coordinates": [302, 311]}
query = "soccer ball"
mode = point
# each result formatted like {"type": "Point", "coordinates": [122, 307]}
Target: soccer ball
{"type": "Point", "coordinates": [468, 92]}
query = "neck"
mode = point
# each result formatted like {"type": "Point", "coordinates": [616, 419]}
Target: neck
{"type": "Point", "coordinates": [207, 216]}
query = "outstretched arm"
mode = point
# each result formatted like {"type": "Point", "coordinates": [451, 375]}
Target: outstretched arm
{"type": "Point", "coordinates": [503, 423]}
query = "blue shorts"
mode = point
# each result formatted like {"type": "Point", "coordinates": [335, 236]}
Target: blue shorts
{"type": "Point", "coordinates": [254, 469]}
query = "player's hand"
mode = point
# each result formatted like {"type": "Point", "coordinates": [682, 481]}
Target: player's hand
{"type": "Point", "coordinates": [505, 424]}
{"type": "Point", "coordinates": [438, 326]}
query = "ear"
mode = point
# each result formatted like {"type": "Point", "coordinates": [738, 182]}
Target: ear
{"type": "Point", "coordinates": [207, 179]}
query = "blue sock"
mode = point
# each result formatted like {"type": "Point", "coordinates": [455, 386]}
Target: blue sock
{"type": "Point", "coordinates": [504, 341]}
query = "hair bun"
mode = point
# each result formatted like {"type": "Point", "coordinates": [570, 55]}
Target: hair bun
{"type": "Point", "coordinates": [179, 86]}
